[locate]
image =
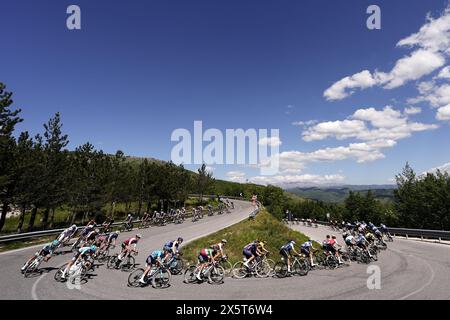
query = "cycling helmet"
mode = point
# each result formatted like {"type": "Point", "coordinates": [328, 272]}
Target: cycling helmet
{"type": "Point", "coordinates": [292, 241]}
{"type": "Point", "coordinates": [139, 236]}
{"type": "Point", "coordinates": [224, 241]}
{"type": "Point", "coordinates": [94, 248]}
{"type": "Point", "coordinates": [180, 239]}
{"type": "Point", "coordinates": [55, 243]}
{"type": "Point", "coordinates": [97, 230]}
{"type": "Point", "coordinates": [73, 226]}
{"type": "Point", "coordinates": [118, 231]}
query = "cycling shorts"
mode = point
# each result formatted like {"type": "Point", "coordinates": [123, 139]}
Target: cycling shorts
{"type": "Point", "coordinates": [247, 253]}
{"type": "Point", "coordinates": [202, 259]}
{"type": "Point", "coordinates": [284, 253]}
{"type": "Point", "coordinates": [305, 251]}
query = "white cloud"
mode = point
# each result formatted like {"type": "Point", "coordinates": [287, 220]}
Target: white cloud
{"type": "Point", "coordinates": [443, 168]}
{"type": "Point", "coordinates": [304, 123]}
{"type": "Point", "coordinates": [412, 110]}
{"type": "Point", "coordinates": [431, 45]}
{"type": "Point", "coordinates": [270, 141]}
{"type": "Point", "coordinates": [360, 80]}
{"type": "Point", "coordinates": [443, 113]}
{"type": "Point", "coordinates": [369, 125]}
{"type": "Point", "coordinates": [299, 180]}
{"type": "Point", "coordinates": [236, 176]}
{"type": "Point", "coordinates": [444, 73]}
{"type": "Point", "coordinates": [435, 95]}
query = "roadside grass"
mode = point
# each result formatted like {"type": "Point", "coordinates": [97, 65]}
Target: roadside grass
{"type": "Point", "coordinates": [23, 244]}
{"type": "Point", "coordinates": [264, 227]}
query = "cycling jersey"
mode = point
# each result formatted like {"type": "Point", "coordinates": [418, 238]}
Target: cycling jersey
{"type": "Point", "coordinates": [307, 244]}
{"type": "Point", "coordinates": [288, 247]}
{"type": "Point", "coordinates": [130, 241]}
{"type": "Point", "coordinates": [361, 239]}
{"type": "Point", "coordinates": [207, 252]}
{"type": "Point", "coordinates": [349, 239]}
{"type": "Point", "coordinates": [331, 242]}
{"type": "Point", "coordinates": [250, 247]}
{"type": "Point", "coordinates": [112, 236]}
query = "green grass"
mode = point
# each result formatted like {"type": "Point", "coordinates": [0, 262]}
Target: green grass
{"type": "Point", "coordinates": [264, 227]}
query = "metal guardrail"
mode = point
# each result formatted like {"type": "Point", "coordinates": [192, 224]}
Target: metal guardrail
{"type": "Point", "coordinates": [43, 233]}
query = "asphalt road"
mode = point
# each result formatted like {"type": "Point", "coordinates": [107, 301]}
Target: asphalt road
{"type": "Point", "coordinates": [409, 270]}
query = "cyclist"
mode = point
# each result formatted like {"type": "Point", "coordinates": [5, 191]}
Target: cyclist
{"type": "Point", "coordinates": [92, 236]}
{"type": "Point", "coordinates": [219, 247]}
{"type": "Point", "coordinates": [370, 237]}
{"type": "Point", "coordinates": [349, 240]}
{"type": "Point", "coordinates": [286, 252]}
{"type": "Point", "coordinates": [145, 217]}
{"type": "Point", "coordinates": [206, 255]}
{"type": "Point", "coordinates": [361, 242]}
{"type": "Point", "coordinates": [250, 252]}
{"type": "Point", "coordinates": [332, 243]}
{"type": "Point", "coordinates": [307, 248]}
{"type": "Point", "coordinates": [67, 234]}
{"type": "Point", "coordinates": [128, 246]}
{"type": "Point", "coordinates": [172, 246]}
{"type": "Point", "coordinates": [82, 253]}
{"type": "Point", "coordinates": [107, 224]}
{"type": "Point", "coordinates": [110, 239]}
{"type": "Point", "coordinates": [46, 252]}
{"type": "Point", "coordinates": [261, 246]}
{"type": "Point", "coordinates": [156, 258]}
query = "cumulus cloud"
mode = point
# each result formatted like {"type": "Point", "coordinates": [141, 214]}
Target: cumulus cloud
{"type": "Point", "coordinates": [444, 73]}
{"type": "Point", "coordinates": [299, 180]}
{"type": "Point", "coordinates": [431, 46]}
{"type": "Point", "coordinates": [369, 125]}
{"type": "Point", "coordinates": [304, 123]}
{"type": "Point", "coordinates": [443, 113]}
{"type": "Point", "coordinates": [412, 110]}
{"type": "Point", "coordinates": [270, 141]}
{"type": "Point", "coordinates": [236, 176]}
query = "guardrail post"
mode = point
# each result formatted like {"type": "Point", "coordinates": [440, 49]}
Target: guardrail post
{"type": "Point", "coordinates": [439, 239]}
{"type": "Point", "coordinates": [406, 236]}
{"type": "Point", "coordinates": [421, 238]}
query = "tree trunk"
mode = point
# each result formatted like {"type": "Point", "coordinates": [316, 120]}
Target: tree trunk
{"type": "Point", "coordinates": [149, 205]}
{"type": "Point", "coordinates": [74, 216]}
{"type": "Point", "coordinates": [52, 218]}
{"type": "Point", "coordinates": [45, 218]}
{"type": "Point", "coordinates": [32, 218]}
{"type": "Point", "coordinates": [21, 218]}
{"type": "Point", "coordinates": [139, 207]}
{"type": "Point", "coordinates": [5, 207]}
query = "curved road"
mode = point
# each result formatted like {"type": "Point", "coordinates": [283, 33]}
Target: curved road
{"type": "Point", "coordinates": [409, 270]}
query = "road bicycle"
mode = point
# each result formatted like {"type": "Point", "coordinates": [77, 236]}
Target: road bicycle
{"type": "Point", "coordinates": [195, 215]}
{"type": "Point", "coordinates": [126, 226]}
{"type": "Point", "coordinates": [227, 266]}
{"type": "Point", "coordinates": [158, 276]}
{"type": "Point", "coordinates": [213, 273]}
{"type": "Point", "coordinates": [127, 263]}
{"type": "Point", "coordinates": [298, 267]}
{"type": "Point", "coordinates": [33, 267]}
{"type": "Point", "coordinates": [78, 271]}
{"type": "Point", "coordinates": [260, 268]}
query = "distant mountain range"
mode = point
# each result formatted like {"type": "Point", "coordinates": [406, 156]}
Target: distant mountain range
{"type": "Point", "coordinates": [338, 194]}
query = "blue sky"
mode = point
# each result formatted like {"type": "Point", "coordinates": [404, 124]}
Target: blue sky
{"type": "Point", "coordinates": [140, 69]}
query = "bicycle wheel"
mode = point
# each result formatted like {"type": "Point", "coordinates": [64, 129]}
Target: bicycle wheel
{"type": "Point", "coordinates": [161, 278]}
{"type": "Point", "coordinates": [177, 267]}
{"type": "Point", "coordinates": [134, 277]}
{"type": "Point", "coordinates": [189, 275]}
{"type": "Point", "coordinates": [271, 264]}
{"type": "Point", "coordinates": [263, 269]}
{"type": "Point", "coordinates": [128, 264]}
{"type": "Point", "coordinates": [58, 274]}
{"type": "Point", "coordinates": [331, 262]}
{"type": "Point", "coordinates": [111, 264]}
{"type": "Point", "coordinates": [281, 269]}
{"type": "Point", "coordinates": [216, 275]}
{"type": "Point", "coordinates": [300, 268]}
{"type": "Point", "coordinates": [239, 270]}
{"type": "Point", "coordinates": [31, 270]}
{"type": "Point", "coordinates": [227, 267]}
{"type": "Point", "coordinates": [103, 256]}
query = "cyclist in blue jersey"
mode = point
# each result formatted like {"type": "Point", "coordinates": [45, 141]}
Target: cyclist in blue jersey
{"type": "Point", "coordinates": [156, 258]}
{"type": "Point", "coordinates": [250, 252]}
{"type": "Point", "coordinates": [306, 249]}
{"type": "Point", "coordinates": [172, 246]}
{"type": "Point", "coordinates": [46, 252]}
{"type": "Point", "coordinates": [286, 252]}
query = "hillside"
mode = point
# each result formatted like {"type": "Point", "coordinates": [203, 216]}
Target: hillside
{"type": "Point", "coordinates": [264, 227]}
{"type": "Point", "coordinates": [383, 193]}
